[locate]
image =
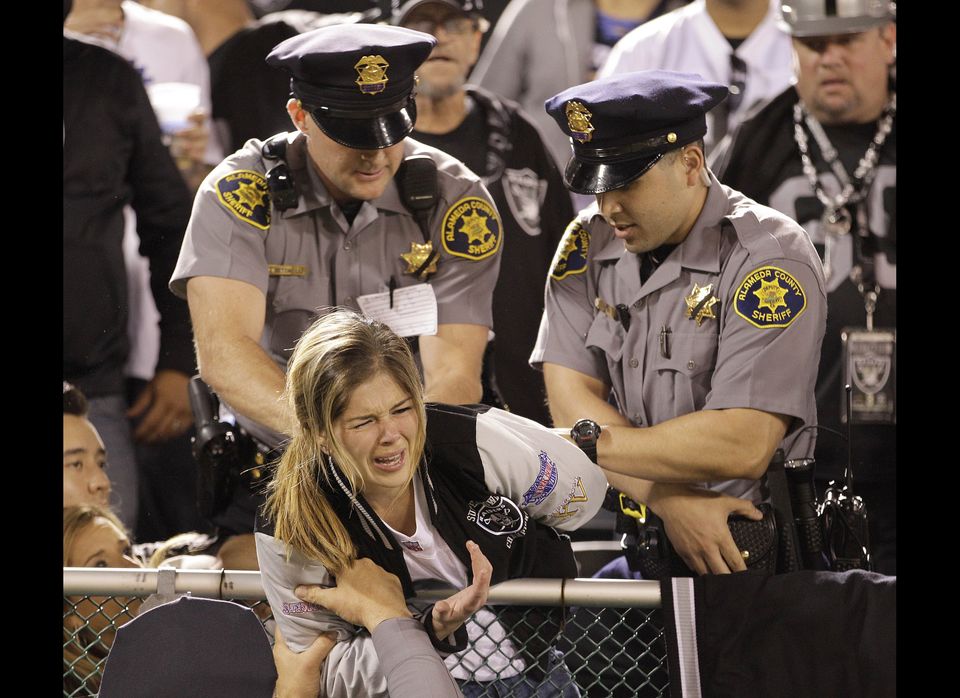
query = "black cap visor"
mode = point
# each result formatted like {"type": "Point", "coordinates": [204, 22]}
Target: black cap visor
{"type": "Point", "coordinates": [585, 177]}
{"type": "Point", "coordinates": [365, 132]}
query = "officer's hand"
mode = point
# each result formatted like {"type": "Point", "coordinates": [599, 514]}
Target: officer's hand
{"type": "Point", "coordinates": [695, 521]}
{"type": "Point", "coordinates": [163, 407]}
{"type": "Point", "coordinates": [298, 674]}
{"type": "Point", "coordinates": [365, 594]}
{"type": "Point", "coordinates": [452, 612]}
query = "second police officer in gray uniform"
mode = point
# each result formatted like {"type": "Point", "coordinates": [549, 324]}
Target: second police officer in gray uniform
{"type": "Point", "coordinates": [321, 217]}
{"type": "Point", "coordinates": [701, 310]}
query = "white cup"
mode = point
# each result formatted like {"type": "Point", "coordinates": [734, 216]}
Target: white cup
{"type": "Point", "coordinates": [173, 102]}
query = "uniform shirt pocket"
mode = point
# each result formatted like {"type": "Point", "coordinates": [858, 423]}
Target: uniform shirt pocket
{"type": "Point", "coordinates": [690, 367]}
{"type": "Point", "coordinates": [606, 335]}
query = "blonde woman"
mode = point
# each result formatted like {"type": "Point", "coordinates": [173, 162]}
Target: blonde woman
{"type": "Point", "coordinates": [93, 536]}
{"type": "Point", "coordinates": [373, 472]}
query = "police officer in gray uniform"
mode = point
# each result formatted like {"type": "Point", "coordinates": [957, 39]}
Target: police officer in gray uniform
{"type": "Point", "coordinates": [702, 311]}
{"type": "Point", "coordinates": [321, 217]}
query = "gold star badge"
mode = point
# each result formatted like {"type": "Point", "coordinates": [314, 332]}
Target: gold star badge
{"type": "Point", "coordinates": [417, 255]}
{"type": "Point", "coordinates": [771, 295]}
{"type": "Point", "coordinates": [700, 303]}
{"type": "Point", "coordinates": [475, 227]}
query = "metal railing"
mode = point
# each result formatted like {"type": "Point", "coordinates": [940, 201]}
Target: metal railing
{"type": "Point", "coordinates": [587, 637]}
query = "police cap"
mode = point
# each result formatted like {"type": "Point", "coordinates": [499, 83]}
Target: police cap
{"type": "Point", "coordinates": [357, 81]}
{"type": "Point", "coordinates": [621, 125]}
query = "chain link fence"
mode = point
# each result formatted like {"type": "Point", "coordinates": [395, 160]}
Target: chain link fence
{"type": "Point", "coordinates": [606, 639]}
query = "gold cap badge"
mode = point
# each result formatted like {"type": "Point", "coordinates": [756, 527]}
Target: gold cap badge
{"type": "Point", "coordinates": [372, 74]}
{"type": "Point", "coordinates": [671, 137]}
{"type": "Point", "coordinates": [578, 120]}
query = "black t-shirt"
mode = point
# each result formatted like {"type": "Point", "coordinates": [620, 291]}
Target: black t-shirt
{"type": "Point", "coordinates": [468, 141]}
{"type": "Point", "coordinates": [764, 163]}
{"type": "Point", "coordinates": [246, 94]}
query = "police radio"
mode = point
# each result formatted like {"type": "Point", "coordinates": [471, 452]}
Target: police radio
{"type": "Point", "coordinates": [216, 449]}
{"type": "Point", "coordinates": [283, 190]}
{"type": "Point", "coordinates": [417, 184]}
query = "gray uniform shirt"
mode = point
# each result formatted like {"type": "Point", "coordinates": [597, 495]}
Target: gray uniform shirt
{"type": "Point", "coordinates": [308, 257]}
{"type": "Point", "coordinates": [410, 664]}
{"type": "Point", "coordinates": [757, 344]}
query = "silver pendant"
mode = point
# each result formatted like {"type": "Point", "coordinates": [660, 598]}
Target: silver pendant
{"type": "Point", "coordinates": [870, 366]}
{"type": "Point", "coordinates": [837, 221]}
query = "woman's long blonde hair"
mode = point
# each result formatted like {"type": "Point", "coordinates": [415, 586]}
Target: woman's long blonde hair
{"type": "Point", "coordinates": [84, 651]}
{"type": "Point", "coordinates": [336, 354]}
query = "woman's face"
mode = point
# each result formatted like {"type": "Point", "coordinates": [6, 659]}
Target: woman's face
{"type": "Point", "coordinates": [102, 544]}
{"type": "Point", "coordinates": [378, 429]}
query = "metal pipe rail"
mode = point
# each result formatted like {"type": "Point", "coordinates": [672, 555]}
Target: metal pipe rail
{"type": "Point", "coordinates": [237, 584]}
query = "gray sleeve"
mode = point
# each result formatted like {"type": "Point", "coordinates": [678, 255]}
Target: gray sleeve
{"type": "Point", "coordinates": [568, 309]}
{"type": "Point", "coordinates": [412, 667]}
{"type": "Point", "coordinates": [226, 235]}
{"type": "Point", "coordinates": [550, 478]}
{"type": "Point", "coordinates": [769, 364]}
{"type": "Point", "coordinates": [351, 669]}
{"type": "Point", "coordinates": [469, 234]}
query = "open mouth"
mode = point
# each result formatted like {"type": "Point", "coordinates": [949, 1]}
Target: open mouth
{"type": "Point", "coordinates": [389, 463]}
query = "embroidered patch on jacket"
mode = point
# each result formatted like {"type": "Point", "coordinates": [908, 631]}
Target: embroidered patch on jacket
{"type": "Point", "coordinates": [497, 515]}
{"type": "Point", "coordinates": [299, 608]}
{"type": "Point", "coordinates": [770, 297]}
{"type": "Point", "coordinates": [577, 494]}
{"type": "Point", "coordinates": [246, 194]}
{"type": "Point", "coordinates": [544, 484]}
{"type": "Point", "coordinates": [471, 229]}
{"type": "Point", "coordinates": [571, 256]}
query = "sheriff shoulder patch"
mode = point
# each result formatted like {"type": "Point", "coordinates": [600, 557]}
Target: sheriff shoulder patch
{"type": "Point", "coordinates": [770, 297]}
{"type": "Point", "coordinates": [245, 193]}
{"type": "Point", "coordinates": [571, 256]}
{"type": "Point", "coordinates": [471, 229]}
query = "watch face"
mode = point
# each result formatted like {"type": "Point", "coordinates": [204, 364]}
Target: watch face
{"type": "Point", "coordinates": [586, 430]}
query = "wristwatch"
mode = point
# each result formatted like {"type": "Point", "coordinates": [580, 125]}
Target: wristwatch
{"type": "Point", "coordinates": [585, 434]}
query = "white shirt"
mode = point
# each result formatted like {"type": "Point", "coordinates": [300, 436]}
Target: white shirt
{"type": "Point", "coordinates": [491, 654]}
{"type": "Point", "coordinates": [162, 48]}
{"type": "Point", "coordinates": [687, 40]}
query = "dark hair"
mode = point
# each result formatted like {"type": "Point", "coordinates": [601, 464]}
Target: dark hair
{"type": "Point", "coordinates": [74, 401]}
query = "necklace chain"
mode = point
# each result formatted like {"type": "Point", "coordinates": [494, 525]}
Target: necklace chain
{"type": "Point", "coordinates": [852, 191]}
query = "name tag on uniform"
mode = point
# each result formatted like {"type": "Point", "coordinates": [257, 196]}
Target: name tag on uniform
{"type": "Point", "coordinates": [414, 311]}
{"type": "Point", "coordinates": [870, 367]}
{"type": "Point", "coordinates": [287, 269]}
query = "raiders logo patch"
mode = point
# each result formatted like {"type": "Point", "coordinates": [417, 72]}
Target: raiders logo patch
{"type": "Point", "coordinates": [497, 515]}
{"type": "Point", "coordinates": [471, 229]}
{"type": "Point", "coordinates": [544, 484]}
{"type": "Point", "coordinates": [524, 192]}
{"type": "Point", "coordinates": [571, 256]}
{"type": "Point", "coordinates": [246, 194]}
{"type": "Point", "coordinates": [770, 297]}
